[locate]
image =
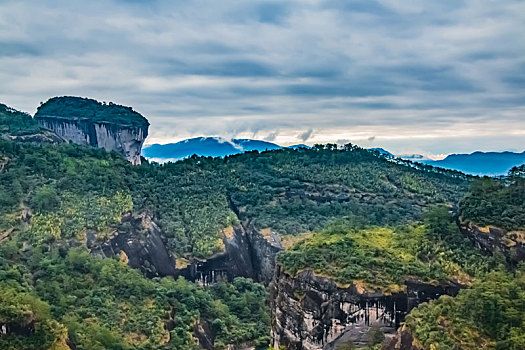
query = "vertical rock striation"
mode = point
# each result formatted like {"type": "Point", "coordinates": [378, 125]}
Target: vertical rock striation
{"type": "Point", "coordinates": [91, 123]}
{"type": "Point", "coordinates": [493, 239]}
{"type": "Point", "coordinates": [311, 312]}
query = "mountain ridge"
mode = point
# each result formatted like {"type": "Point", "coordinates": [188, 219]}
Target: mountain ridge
{"type": "Point", "coordinates": [476, 163]}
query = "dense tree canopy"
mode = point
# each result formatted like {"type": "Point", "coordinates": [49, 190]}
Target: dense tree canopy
{"type": "Point", "coordinates": [355, 216]}
{"type": "Point", "coordinates": [77, 107]}
{"type": "Point", "coordinates": [385, 257]}
{"type": "Point", "coordinates": [487, 316]}
{"type": "Point", "coordinates": [498, 202]}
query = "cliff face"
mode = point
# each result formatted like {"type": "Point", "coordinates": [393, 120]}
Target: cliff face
{"type": "Point", "coordinates": [138, 240]}
{"type": "Point", "coordinates": [403, 340]}
{"type": "Point", "coordinates": [311, 312]}
{"type": "Point", "coordinates": [124, 139]}
{"type": "Point", "coordinates": [493, 239]}
{"type": "Point", "coordinates": [247, 253]}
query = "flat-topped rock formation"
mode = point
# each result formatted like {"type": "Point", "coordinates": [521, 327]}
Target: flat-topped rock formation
{"type": "Point", "coordinates": [89, 122]}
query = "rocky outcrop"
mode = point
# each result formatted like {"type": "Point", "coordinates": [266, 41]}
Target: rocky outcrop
{"type": "Point", "coordinates": [493, 239]}
{"type": "Point", "coordinates": [139, 241]}
{"type": "Point", "coordinates": [311, 312]}
{"type": "Point", "coordinates": [44, 136]}
{"type": "Point", "coordinates": [403, 340]}
{"type": "Point", "coordinates": [247, 253]}
{"type": "Point", "coordinates": [123, 139]}
{"type": "Point", "coordinates": [234, 261]}
{"type": "Point", "coordinates": [88, 122]}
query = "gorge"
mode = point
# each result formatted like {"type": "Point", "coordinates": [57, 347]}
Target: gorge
{"type": "Point", "coordinates": [316, 248]}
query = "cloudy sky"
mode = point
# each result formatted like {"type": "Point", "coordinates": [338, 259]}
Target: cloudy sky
{"type": "Point", "coordinates": [429, 77]}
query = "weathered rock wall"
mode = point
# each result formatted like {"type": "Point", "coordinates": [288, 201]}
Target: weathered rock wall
{"type": "Point", "coordinates": [139, 240]}
{"type": "Point", "coordinates": [493, 239]}
{"type": "Point", "coordinates": [123, 139]}
{"type": "Point", "coordinates": [247, 254]}
{"type": "Point", "coordinates": [310, 312]}
{"type": "Point", "coordinates": [403, 340]}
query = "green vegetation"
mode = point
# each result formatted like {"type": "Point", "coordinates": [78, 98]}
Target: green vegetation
{"type": "Point", "coordinates": [363, 209]}
{"type": "Point", "coordinates": [103, 304]}
{"type": "Point", "coordinates": [16, 123]}
{"type": "Point", "coordinates": [296, 191]}
{"type": "Point", "coordinates": [498, 202]}
{"type": "Point", "coordinates": [290, 191]}
{"type": "Point", "coordinates": [27, 312]}
{"type": "Point", "coordinates": [385, 257]}
{"type": "Point", "coordinates": [487, 316]}
{"type": "Point", "coordinates": [77, 107]}
{"type": "Point", "coordinates": [75, 215]}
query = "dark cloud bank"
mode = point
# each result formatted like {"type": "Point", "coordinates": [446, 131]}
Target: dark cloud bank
{"type": "Point", "coordinates": [430, 77]}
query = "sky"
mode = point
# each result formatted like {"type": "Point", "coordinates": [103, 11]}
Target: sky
{"type": "Point", "coordinates": [427, 77]}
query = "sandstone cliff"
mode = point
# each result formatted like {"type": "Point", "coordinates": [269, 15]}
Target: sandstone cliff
{"type": "Point", "coordinates": [247, 253]}
{"type": "Point", "coordinates": [493, 239]}
{"type": "Point", "coordinates": [311, 312]}
{"type": "Point", "coordinates": [88, 122]}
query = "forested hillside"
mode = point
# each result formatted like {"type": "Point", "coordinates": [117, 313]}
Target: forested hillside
{"type": "Point", "coordinates": [489, 315]}
{"type": "Point", "coordinates": [497, 202]}
{"type": "Point", "coordinates": [71, 107]}
{"type": "Point", "coordinates": [15, 123]}
{"type": "Point", "coordinates": [383, 257]}
{"type": "Point", "coordinates": [355, 215]}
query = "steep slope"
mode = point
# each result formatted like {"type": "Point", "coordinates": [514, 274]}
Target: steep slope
{"type": "Point", "coordinates": [89, 122]}
{"type": "Point", "coordinates": [20, 126]}
{"type": "Point", "coordinates": [343, 285]}
{"type": "Point", "coordinates": [492, 215]}
{"type": "Point", "coordinates": [63, 207]}
{"type": "Point", "coordinates": [487, 315]}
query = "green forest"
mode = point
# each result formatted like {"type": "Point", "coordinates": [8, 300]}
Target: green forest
{"type": "Point", "coordinates": [69, 297]}
{"type": "Point", "coordinates": [384, 257]}
{"type": "Point", "coordinates": [289, 191]}
{"type": "Point", "coordinates": [353, 214]}
{"type": "Point", "coordinates": [85, 108]}
{"type": "Point", "coordinates": [497, 202]}
{"type": "Point", "coordinates": [489, 315]}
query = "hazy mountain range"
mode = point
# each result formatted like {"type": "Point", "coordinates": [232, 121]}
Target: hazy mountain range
{"type": "Point", "coordinates": [207, 146]}
{"type": "Point", "coordinates": [477, 163]}
{"type": "Point", "coordinates": [481, 163]}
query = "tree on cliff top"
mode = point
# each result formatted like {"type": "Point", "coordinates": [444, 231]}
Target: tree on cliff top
{"type": "Point", "coordinates": [72, 107]}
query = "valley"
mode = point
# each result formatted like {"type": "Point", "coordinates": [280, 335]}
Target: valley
{"type": "Point", "coordinates": [326, 247]}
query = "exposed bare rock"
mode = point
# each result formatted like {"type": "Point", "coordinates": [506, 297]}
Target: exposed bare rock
{"type": "Point", "coordinates": [89, 122]}
{"type": "Point", "coordinates": [403, 340]}
{"type": "Point", "coordinates": [247, 253]}
{"type": "Point", "coordinates": [44, 136]}
{"type": "Point", "coordinates": [141, 240]}
{"type": "Point", "coordinates": [493, 239]}
{"type": "Point", "coordinates": [126, 140]}
{"type": "Point", "coordinates": [311, 312]}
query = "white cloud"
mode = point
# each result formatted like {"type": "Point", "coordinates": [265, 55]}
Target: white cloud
{"type": "Point", "coordinates": [405, 72]}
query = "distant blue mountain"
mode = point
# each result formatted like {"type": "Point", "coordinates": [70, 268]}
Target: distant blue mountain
{"type": "Point", "coordinates": [382, 151]}
{"type": "Point", "coordinates": [477, 163]}
{"type": "Point", "coordinates": [481, 163]}
{"type": "Point", "coordinates": [299, 146]}
{"type": "Point", "coordinates": [206, 146]}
